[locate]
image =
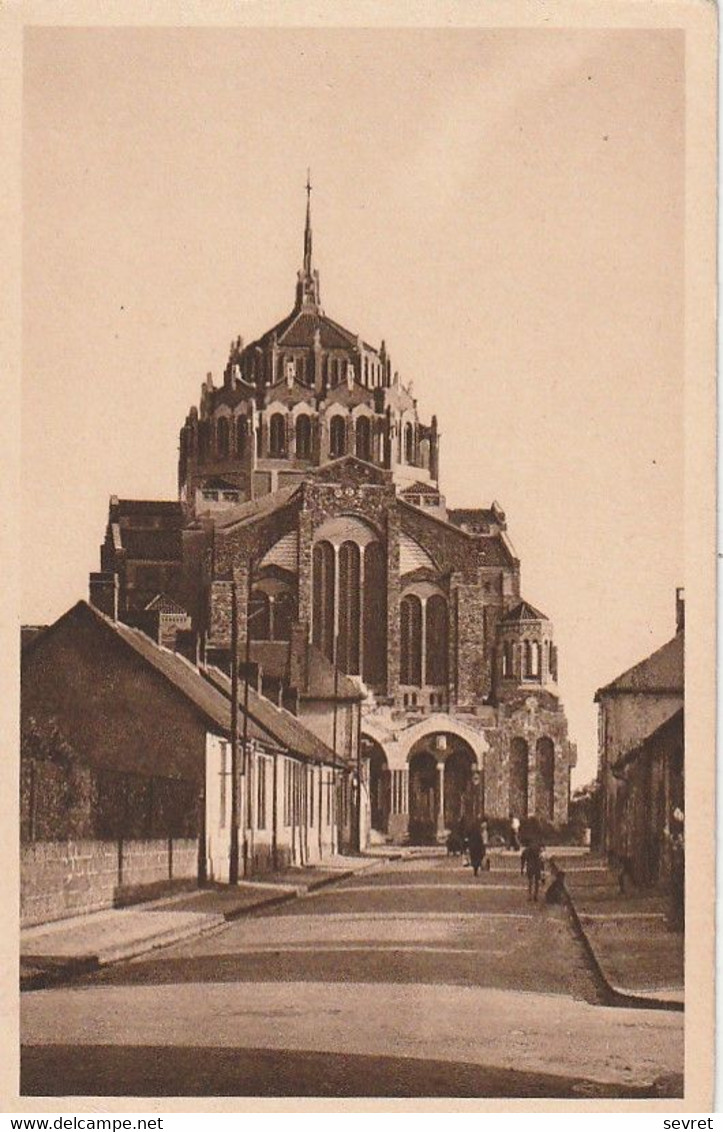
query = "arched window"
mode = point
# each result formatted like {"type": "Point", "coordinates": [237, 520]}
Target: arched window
{"type": "Point", "coordinates": [337, 436]}
{"type": "Point", "coordinates": [364, 438]}
{"type": "Point", "coordinates": [324, 581]}
{"type": "Point", "coordinates": [375, 614]}
{"type": "Point", "coordinates": [410, 611]}
{"type": "Point", "coordinates": [409, 443]}
{"type": "Point", "coordinates": [259, 616]}
{"type": "Point", "coordinates": [349, 607]}
{"type": "Point", "coordinates": [527, 653]}
{"type": "Point", "coordinates": [282, 615]}
{"type": "Point", "coordinates": [277, 435]}
{"type": "Point", "coordinates": [545, 793]}
{"type": "Point", "coordinates": [519, 754]}
{"type": "Point", "coordinates": [436, 640]}
{"type": "Point", "coordinates": [222, 436]}
{"type": "Point", "coordinates": [303, 437]}
{"type": "Point", "coordinates": [241, 434]}
{"type": "Point", "coordinates": [535, 659]}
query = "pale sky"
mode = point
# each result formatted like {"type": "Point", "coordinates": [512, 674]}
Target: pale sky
{"type": "Point", "coordinates": [504, 207]}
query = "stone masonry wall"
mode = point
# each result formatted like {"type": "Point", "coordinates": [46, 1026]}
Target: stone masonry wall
{"type": "Point", "coordinates": [71, 878]}
{"type": "Point", "coordinates": [536, 717]}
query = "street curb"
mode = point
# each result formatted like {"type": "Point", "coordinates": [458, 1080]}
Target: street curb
{"type": "Point", "coordinates": [615, 996]}
{"type": "Point", "coordinates": [74, 967]}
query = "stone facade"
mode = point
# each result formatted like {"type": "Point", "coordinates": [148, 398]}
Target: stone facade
{"type": "Point", "coordinates": [308, 481]}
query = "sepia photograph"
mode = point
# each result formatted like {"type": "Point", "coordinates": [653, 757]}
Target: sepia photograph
{"type": "Point", "coordinates": [358, 451]}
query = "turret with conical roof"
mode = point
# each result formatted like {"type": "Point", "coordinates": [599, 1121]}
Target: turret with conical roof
{"type": "Point", "coordinates": [526, 655]}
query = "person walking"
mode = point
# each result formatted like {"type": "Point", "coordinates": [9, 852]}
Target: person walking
{"type": "Point", "coordinates": [485, 833]}
{"type": "Point", "coordinates": [532, 864]}
{"type": "Point", "coordinates": [514, 833]}
{"type": "Point", "coordinates": [476, 848]}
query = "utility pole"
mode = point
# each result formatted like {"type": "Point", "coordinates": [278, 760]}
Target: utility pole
{"type": "Point", "coordinates": [233, 857]}
{"type": "Point", "coordinates": [358, 782]}
{"type": "Point", "coordinates": [337, 807]}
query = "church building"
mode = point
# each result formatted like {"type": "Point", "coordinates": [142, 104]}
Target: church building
{"type": "Point", "coordinates": [309, 496]}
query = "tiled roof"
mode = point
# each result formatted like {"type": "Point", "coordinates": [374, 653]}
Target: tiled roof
{"type": "Point", "coordinates": [321, 684]}
{"type": "Point", "coordinates": [288, 731]}
{"type": "Point", "coordinates": [28, 633]}
{"type": "Point", "coordinates": [209, 693]}
{"type": "Point", "coordinates": [255, 508]}
{"type": "Point", "coordinates": [298, 329]}
{"type": "Point", "coordinates": [523, 611]}
{"type": "Point", "coordinates": [660, 673]}
{"type": "Point", "coordinates": [186, 679]}
{"type": "Point", "coordinates": [671, 729]}
{"type": "Point", "coordinates": [493, 552]}
{"type": "Point", "coordinates": [273, 659]}
{"type": "Point", "coordinates": [420, 488]}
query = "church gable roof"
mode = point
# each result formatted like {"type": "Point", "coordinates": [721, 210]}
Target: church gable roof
{"type": "Point", "coordinates": [341, 394]}
{"type": "Point", "coordinates": [255, 508]}
{"type": "Point", "coordinates": [348, 470]}
{"type": "Point", "coordinates": [490, 550]}
{"type": "Point", "coordinates": [299, 329]}
{"type": "Point", "coordinates": [419, 488]}
{"type": "Point", "coordinates": [290, 394]}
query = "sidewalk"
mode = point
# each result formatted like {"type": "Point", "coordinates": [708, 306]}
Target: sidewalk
{"type": "Point", "coordinates": [55, 952]}
{"type": "Point", "coordinates": [627, 936]}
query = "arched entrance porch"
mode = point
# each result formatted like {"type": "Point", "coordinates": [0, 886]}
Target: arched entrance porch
{"type": "Point", "coordinates": [380, 785]}
{"type": "Point", "coordinates": [423, 798]}
{"type": "Point", "coordinates": [445, 787]}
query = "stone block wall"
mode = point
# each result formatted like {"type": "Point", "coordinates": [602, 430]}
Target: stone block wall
{"type": "Point", "coordinates": [70, 878]}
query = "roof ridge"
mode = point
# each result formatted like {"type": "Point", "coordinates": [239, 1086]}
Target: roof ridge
{"type": "Point", "coordinates": [627, 680]}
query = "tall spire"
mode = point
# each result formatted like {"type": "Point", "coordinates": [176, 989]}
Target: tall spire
{"type": "Point", "coordinates": [307, 230]}
{"type": "Point", "coordinates": [307, 287]}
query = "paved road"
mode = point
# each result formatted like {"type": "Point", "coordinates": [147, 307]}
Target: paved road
{"type": "Point", "coordinates": [412, 980]}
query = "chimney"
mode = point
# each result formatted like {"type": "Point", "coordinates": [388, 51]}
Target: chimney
{"type": "Point", "coordinates": [679, 609]}
{"type": "Point", "coordinates": [103, 593]}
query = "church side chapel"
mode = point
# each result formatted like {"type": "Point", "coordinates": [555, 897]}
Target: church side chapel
{"type": "Point", "coordinates": [309, 488]}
